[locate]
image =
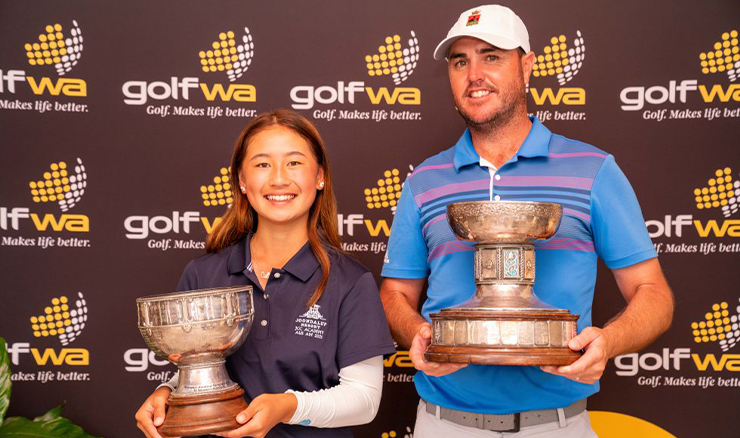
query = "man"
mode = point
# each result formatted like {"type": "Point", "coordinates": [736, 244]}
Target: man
{"type": "Point", "coordinates": [505, 155]}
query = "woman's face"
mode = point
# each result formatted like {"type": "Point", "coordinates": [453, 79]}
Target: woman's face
{"type": "Point", "coordinates": [281, 176]}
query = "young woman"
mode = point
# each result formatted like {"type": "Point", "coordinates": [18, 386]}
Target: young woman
{"type": "Point", "coordinates": [312, 362]}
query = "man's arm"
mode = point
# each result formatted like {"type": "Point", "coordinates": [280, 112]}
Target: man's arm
{"type": "Point", "coordinates": [648, 314]}
{"type": "Point", "coordinates": [400, 300]}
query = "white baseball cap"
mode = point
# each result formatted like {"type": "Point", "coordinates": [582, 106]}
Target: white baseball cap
{"type": "Point", "coordinates": [494, 24]}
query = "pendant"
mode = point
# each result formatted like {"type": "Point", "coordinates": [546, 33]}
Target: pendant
{"type": "Point", "coordinates": [264, 275]}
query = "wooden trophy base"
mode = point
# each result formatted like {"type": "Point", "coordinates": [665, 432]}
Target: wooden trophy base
{"type": "Point", "coordinates": [503, 337]}
{"type": "Point", "coordinates": [191, 416]}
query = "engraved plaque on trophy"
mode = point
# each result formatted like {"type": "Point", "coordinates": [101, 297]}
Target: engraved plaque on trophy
{"type": "Point", "coordinates": [504, 323]}
{"type": "Point", "coordinates": [197, 330]}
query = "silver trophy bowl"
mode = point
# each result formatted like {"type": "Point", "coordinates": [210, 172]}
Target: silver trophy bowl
{"type": "Point", "coordinates": [504, 323]}
{"type": "Point", "coordinates": [196, 330]}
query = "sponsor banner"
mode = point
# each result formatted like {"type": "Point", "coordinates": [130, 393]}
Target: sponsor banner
{"type": "Point", "coordinates": [713, 97]}
{"type": "Point", "coordinates": [374, 98]}
{"type": "Point", "coordinates": [712, 228]}
{"type": "Point", "coordinates": [59, 188]}
{"type": "Point", "coordinates": [47, 85]}
{"type": "Point", "coordinates": [46, 353]}
{"type": "Point", "coordinates": [559, 60]}
{"type": "Point", "coordinates": [712, 361]}
{"type": "Point", "coordinates": [229, 56]}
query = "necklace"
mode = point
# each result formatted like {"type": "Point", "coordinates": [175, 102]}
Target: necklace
{"type": "Point", "coordinates": [264, 275]}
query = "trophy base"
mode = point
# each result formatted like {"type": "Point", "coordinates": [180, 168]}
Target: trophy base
{"type": "Point", "coordinates": [501, 356]}
{"type": "Point", "coordinates": [199, 415]}
{"type": "Point", "coordinates": [503, 336]}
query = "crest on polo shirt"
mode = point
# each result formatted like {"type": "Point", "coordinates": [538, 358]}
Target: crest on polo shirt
{"type": "Point", "coordinates": [474, 18]}
{"type": "Point", "coordinates": [311, 324]}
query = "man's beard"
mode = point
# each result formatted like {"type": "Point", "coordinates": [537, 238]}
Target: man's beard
{"type": "Point", "coordinates": [512, 101]}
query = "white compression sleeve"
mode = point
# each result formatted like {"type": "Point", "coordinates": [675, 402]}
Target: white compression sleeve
{"type": "Point", "coordinates": [354, 401]}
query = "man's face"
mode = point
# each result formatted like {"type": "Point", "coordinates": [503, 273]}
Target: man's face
{"type": "Point", "coordinates": [487, 82]}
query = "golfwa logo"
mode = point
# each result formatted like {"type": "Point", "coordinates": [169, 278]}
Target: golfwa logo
{"type": "Point", "coordinates": [53, 47]}
{"type": "Point", "coordinates": [393, 59]}
{"type": "Point", "coordinates": [387, 191]}
{"type": "Point", "coordinates": [229, 54]}
{"type": "Point", "coordinates": [396, 57]}
{"type": "Point", "coordinates": [57, 47]}
{"type": "Point", "coordinates": [62, 185]}
{"type": "Point", "coordinates": [721, 192]}
{"type": "Point", "coordinates": [381, 196]}
{"type": "Point", "coordinates": [718, 326]}
{"type": "Point", "coordinates": [57, 185]}
{"type": "Point", "coordinates": [225, 55]}
{"type": "Point", "coordinates": [165, 231]}
{"type": "Point", "coordinates": [722, 56]}
{"type": "Point", "coordinates": [561, 59]}
{"type": "Point", "coordinates": [219, 192]}
{"type": "Point", "coordinates": [61, 319]}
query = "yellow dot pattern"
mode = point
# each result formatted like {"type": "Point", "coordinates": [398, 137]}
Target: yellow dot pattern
{"type": "Point", "coordinates": [393, 59]}
{"type": "Point", "coordinates": [55, 320]}
{"type": "Point", "coordinates": [716, 324]}
{"type": "Point", "coordinates": [53, 185]}
{"type": "Point", "coordinates": [391, 434]}
{"type": "Point", "coordinates": [386, 193]}
{"type": "Point", "coordinates": [221, 56]}
{"type": "Point", "coordinates": [219, 191]}
{"type": "Point", "coordinates": [720, 191]}
{"type": "Point", "coordinates": [50, 47]}
{"type": "Point", "coordinates": [61, 184]}
{"type": "Point", "coordinates": [724, 56]}
{"type": "Point", "coordinates": [53, 47]}
{"type": "Point", "coordinates": [228, 55]}
{"type": "Point", "coordinates": [559, 60]}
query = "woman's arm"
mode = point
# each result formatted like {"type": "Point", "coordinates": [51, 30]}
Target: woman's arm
{"type": "Point", "coordinates": [354, 401]}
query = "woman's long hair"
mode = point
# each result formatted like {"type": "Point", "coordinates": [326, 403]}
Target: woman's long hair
{"type": "Point", "coordinates": [241, 219]}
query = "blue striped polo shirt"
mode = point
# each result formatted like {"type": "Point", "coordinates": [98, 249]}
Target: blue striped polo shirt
{"type": "Point", "coordinates": [601, 218]}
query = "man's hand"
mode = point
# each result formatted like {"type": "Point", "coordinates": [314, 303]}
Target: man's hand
{"type": "Point", "coordinates": [419, 345]}
{"type": "Point", "coordinates": [590, 367]}
{"type": "Point", "coordinates": [263, 414]}
{"type": "Point", "coordinates": [151, 414]}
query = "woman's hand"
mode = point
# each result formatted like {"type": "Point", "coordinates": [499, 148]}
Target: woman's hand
{"type": "Point", "coordinates": [263, 414]}
{"type": "Point", "coordinates": [151, 413]}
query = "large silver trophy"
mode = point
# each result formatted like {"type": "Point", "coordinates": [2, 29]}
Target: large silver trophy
{"type": "Point", "coordinates": [197, 330]}
{"type": "Point", "coordinates": [504, 323]}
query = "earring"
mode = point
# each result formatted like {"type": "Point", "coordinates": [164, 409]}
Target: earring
{"type": "Point", "coordinates": [321, 185]}
{"type": "Point", "coordinates": [243, 189]}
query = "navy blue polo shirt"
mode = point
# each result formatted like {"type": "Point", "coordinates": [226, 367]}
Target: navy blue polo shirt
{"type": "Point", "coordinates": [290, 346]}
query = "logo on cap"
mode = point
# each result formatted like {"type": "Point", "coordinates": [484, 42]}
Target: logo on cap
{"type": "Point", "coordinates": [54, 48]}
{"type": "Point", "coordinates": [725, 56]}
{"type": "Point", "coordinates": [226, 55]}
{"type": "Point", "coordinates": [57, 185]}
{"type": "Point", "coordinates": [473, 19]}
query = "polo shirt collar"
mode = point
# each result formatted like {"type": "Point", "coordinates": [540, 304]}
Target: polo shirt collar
{"type": "Point", "coordinates": [535, 145]}
{"type": "Point", "coordinates": [302, 265]}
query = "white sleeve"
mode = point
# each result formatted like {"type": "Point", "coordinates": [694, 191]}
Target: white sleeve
{"type": "Point", "coordinates": [172, 383]}
{"type": "Point", "coordinates": [354, 401]}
